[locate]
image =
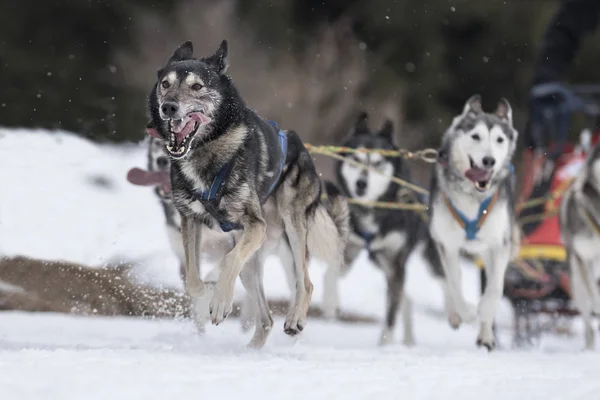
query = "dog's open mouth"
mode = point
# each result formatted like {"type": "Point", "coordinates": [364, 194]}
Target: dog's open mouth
{"type": "Point", "coordinates": [182, 131]}
{"type": "Point", "coordinates": [480, 177]}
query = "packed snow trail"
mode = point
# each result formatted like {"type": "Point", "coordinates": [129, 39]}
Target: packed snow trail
{"type": "Point", "coordinates": [66, 198]}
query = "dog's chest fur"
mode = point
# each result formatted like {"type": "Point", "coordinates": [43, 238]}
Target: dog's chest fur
{"type": "Point", "coordinates": [495, 231]}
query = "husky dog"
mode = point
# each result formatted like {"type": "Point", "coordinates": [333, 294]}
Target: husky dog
{"type": "Point", "coordinates": [235, 172]}
{"type": "Point", "coordinates": [390, 236]}
{"type": "Point", "coordinates": [471, 206]}
{"type": "Point", "coordinates": [580, 231]}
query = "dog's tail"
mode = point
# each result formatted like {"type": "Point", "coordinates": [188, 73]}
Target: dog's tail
{"type": "Point", "coordinates": [337, 207]}
{"type": "Point", "coordinates": [329, 227]}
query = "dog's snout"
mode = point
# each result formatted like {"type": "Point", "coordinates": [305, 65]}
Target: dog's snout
{"type": "Point", "coordinates": [162, 162]}
{"type": "Point", "coordinates": [488, 162]}
{"type": "Point", "coordinates": [169, 108]}
{"type": "Point", "coordinates": [361, 184]}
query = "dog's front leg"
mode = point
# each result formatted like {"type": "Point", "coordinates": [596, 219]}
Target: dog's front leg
{"type": "Point", "coordinates": [581, 296]}
{"type": "Point", "coordinates": [190, 232]}
{"type": "Point", "coordinates": [450, 260]}
{"type": "Point", "coordinates": [496, 262]}
{"type": "Point", "coordinates": [253, 236]}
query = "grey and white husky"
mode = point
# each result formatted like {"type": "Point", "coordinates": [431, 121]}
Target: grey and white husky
{"type": "Point", "coordinates": [390, 236]}
{"type": "Point", "coordinates": [580, 231]}
{"type": "Point", "coordinates": [471, 206]}
{"type": "Point", "coordinates": [233, 171]}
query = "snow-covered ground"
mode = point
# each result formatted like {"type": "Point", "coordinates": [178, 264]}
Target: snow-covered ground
{"type": "Point", "coordinates": [66, 198]}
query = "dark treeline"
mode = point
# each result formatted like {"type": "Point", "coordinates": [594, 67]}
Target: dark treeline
{"type": "Point", "coordinates": [60, 64]}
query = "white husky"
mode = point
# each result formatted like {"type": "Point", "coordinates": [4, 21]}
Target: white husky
{"type": "Point", "coordinates": [472, 208]}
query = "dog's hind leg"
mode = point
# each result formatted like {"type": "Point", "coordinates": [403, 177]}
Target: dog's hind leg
{"type": "Point", "coordinates": [407, 321]}
{"type": "Point", "coordinates": [582, 299]}
{"type": "Point", "coordinates": [252, 279]}
{"type": "Point", "coordinates": [190, 232]}
{"type": "Point", "coordinates": [296, 231]}
{"type": "Point", "coordinates": [337, 268]}
{"type": "Point", "coordinates": [496, 262]}
{"type": "Point", "coordinates": [586, 270]}
{"type": "Point", "coordinates": [395, 287]}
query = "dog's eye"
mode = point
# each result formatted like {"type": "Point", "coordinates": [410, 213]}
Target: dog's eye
{"type": "Point", "coordinates": [165, 84]}
{"type": "Point", "coordinates": [196, 86]}
{"type": "Point", "coordinates": [476, 137]}
{"type": "Point", "coordinates": [500, 139]}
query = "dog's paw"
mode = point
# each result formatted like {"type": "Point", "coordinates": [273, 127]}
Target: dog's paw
{"type": "Point", "coordinates": [454, 320]}
{"type": "Point", "coordinates": [294, 324]}
{"type": "Point", "coordinates": [246, 324]}
{"type": "Point", "coordinates": [488, 343]}
{"type": "Point", "coordinates": [221, 304]}
{"type": "Point", "coordinates": [194, 288]}
{"type": "Point", "coordinates": [200, 314]}
{"type": "Point", "coordinates": [468, 314]}
{"type": "Point", "coordinates": [386, 338]}
{"type": "Point", "coordinates": [486, 337]}
{"type": "Point", "coordinates": [330, 313]}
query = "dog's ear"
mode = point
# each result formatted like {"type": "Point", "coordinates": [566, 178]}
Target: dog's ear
{"type": "Point", "coordinates": [504, 111]}
{"type": "Point", "coordinates": [219, 59]}
{"type": "Point", "coordinates": [387, 131]}
{"type": "Point", "coordinates": [473, 105]}
{"type": "Point", "coordinates": [185, 51]}
{"type": "Point", "coordinates": [362, 124]}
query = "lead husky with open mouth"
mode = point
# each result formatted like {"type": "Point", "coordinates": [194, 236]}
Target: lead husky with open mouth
{"type": "Point", "coordinates": [236, 172]}
{"type": "Point", "coordinates": [471, 206]}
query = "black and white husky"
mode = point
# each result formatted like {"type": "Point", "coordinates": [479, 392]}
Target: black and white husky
{"type": "Point", "coordinates": [580, 230]}
{"type": "Point", "coordinates": [233, 171]}
{"type": "Point", "coordinates": [390, 236]}
{"type": "Point", "coordinates": [471, 206]}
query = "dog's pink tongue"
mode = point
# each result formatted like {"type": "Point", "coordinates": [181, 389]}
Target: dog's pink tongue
{"type": "Point", "coordinates": [142, 177]}
{"type": "Point", "coordinates": [189, 126]}
{"type": "Point", "coordinates": [187, 129]}
{"type": "Point", "coordinates": [478, 175]}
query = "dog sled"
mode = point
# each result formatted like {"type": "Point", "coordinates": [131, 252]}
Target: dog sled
{"type": "Point", "coordinates": [537, 281]}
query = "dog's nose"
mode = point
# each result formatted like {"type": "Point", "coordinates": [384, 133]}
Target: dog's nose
{"type": "Point", "coordinates": [169, 108]}
{"type": "Point", "coordinates": [488, 162]}
{"type": "Point", "coordinates": [162, 162]}
{"type": "Point", "coordinates": [361, 185]}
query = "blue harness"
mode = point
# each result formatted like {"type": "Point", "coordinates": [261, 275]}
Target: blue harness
{"type": "Point", "coordinates": [472, 226]}
{"type": "Point", "coordinates": [367, 237]}
{"type": "Point", "coordinates": [212, 197]}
